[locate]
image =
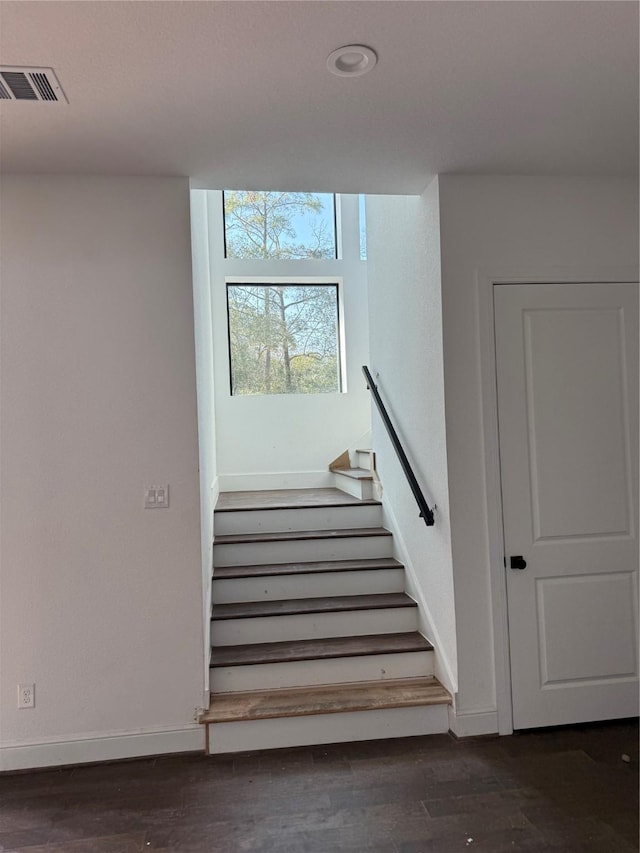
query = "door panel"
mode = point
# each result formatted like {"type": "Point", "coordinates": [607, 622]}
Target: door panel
{"type": "Point", "coordinates": [569, 379]}
{"type": "Point", "coordinates": [585, 652]}
{"type": "Point", "coordinates": [567, 372]}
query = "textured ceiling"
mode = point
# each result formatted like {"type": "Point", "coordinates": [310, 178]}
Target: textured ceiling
{"type": "Point", "coordinates": [237, 93]}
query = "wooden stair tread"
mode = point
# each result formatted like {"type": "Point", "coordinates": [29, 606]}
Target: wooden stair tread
{"type": "Point", "coordinates": [326, 604]}
{"type": "Point", "coordinates": [326, 699]}
{"type": "Point", "coordinates": [293, 535]}
{"type": "Point", "coordinates": [268, 570]}
{"type": "Point", "coordinates": [287, 499]}
{"type": "Point", "coordinates": [322, 648]}
{"type": "Point", "coordinates": [355, 473]}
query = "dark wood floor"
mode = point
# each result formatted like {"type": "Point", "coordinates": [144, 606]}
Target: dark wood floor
{"type": "Point", "coordinates": [563, 790]}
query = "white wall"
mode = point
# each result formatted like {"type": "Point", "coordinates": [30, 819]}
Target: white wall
{"type": "Point", "coordinates": [405, 302]}
{"type": "Point", "coordinates": [287, 441]}
{"type": "Point", "coordinates": [101, 603]}
{"type": "Point", "coordinates": [513, 226]}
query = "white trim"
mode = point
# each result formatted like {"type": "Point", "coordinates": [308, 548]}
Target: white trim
{"type": "Point", "coordinates": [332, 280]}
{"type": "Point", "coordinates": [473, 723]}
{"type": "Point", "coordinates": [102, 747]}
{"type": "Point", "coordinates": [284, 279]}
{"type": "Point", "coordinates": [337, 209]}
{"type": "Point", "coordinates": [276, 480]}
{"type": "Point", "coordinates": [485, 282]}
{"type": "Point", "coordinates": [442, 668]}
{"type": "Point", "coordinates": [203, 352]}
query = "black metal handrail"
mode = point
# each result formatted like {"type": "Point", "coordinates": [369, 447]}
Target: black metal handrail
{"type": "Point", "coordinates": [425, 512]}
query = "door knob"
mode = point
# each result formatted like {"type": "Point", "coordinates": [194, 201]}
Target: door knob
{"type": "Point", "coordinates": [518, 562]}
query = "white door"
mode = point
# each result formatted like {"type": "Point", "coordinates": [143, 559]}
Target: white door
{"type": "Point", "coordinates": [567, 372]}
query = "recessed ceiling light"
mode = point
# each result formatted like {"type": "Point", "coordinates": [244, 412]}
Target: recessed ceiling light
{"type": "Point", "coordinates": [352, 60]}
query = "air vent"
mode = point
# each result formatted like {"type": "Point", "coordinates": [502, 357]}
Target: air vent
{"type": "Point", "coordinates": [30, 84]}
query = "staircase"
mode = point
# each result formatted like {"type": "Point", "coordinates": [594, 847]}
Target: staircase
{"type": "Point", "coordinates": [313, 638]}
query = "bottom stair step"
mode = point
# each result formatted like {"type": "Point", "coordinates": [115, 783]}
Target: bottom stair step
{"type": "Point", "coordinates": [324, 699]}
{"type": "Point", "coordinates": [272, 719]}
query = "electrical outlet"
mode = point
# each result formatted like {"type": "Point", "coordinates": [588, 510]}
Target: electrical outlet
{"type": "Point", "coordinates": [26, 695]}
{"type": "Point", "coordinates": [156, 497]}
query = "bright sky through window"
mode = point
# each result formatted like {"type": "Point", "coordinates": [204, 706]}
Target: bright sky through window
{"type": "Point", "coordinates": [279, 225]}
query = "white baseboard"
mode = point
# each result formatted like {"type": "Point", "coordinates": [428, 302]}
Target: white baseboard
{"type": "Point", "coordinates": [276, 480]}
{"type": "Point", "coordinates": [473, 723]}
{"type": "Point", "coordinates": [107, 747]}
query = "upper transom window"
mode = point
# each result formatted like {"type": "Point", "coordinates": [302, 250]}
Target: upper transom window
{"type": "Point", "coordinates": [279, 225]}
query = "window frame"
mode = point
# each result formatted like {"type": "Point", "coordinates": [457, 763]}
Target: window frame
{"type": "Point", "coordinates": [300, 281]}
{"type": "Point", "coordinates": [337, 242]}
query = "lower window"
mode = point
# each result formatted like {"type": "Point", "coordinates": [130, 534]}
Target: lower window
{"type": "Point", "coordinates": [283, 338]}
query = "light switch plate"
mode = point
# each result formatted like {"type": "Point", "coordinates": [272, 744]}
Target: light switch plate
{"type": "Point", "coordinates": [156, 497]}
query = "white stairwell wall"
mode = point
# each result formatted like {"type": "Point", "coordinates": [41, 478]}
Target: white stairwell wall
{"type": "Point", "coordinates": [407, 365]}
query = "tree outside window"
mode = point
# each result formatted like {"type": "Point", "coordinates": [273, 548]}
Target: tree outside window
{"type": "Point", "coordinates": [283, 338]}
{"type": "Point", "coordinates": [279, 225]}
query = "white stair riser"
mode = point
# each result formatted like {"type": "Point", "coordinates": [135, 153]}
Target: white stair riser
{"type": "Point", "coordinates": [362, 489]}
{"type": "Point", "coordinates": [302, 550]}
{"type": "Point", "coordinates": [312, 518]}
{"type": "Point", "coordinates": [315, 585]}
{"type": "Point", "coordinates": [332, 671]}
{"type": "Point", "coordinates": [363, 459]}
{"type": "Point", "coordinates": [327, 728]}
{"type": "Point", "coordinates": [308, 626]}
